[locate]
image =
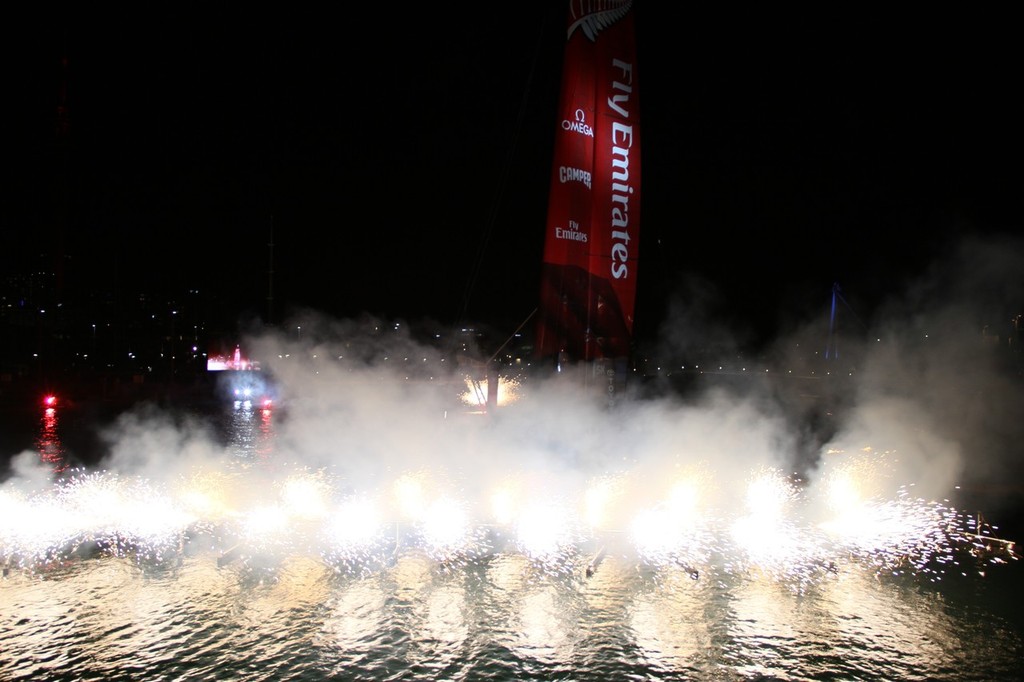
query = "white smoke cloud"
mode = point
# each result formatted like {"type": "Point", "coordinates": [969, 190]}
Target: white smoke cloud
{"type": "Point", "coordinates": [937, 376]}
{"type": "Point", "coordinates": [371, 400]}
{"type": "Point", "coordinates": [152, 443]}
{"type": "Point", "coordinates": [931, 376]}
{"type": "Point", "coordinates": [28, 473]}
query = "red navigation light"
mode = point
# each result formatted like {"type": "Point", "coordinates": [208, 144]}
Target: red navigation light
{"type": "Point", "coordinates": [50, 401]}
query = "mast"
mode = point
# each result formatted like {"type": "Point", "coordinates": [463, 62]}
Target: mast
{"type": "Point", "coordinates": [592, 238]}
{"type": "Point", "coordinates": [270, 276]}
{"type": "Point", "coordinates": [831, 350]}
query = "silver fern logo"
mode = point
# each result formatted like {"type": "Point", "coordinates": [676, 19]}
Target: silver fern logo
{"type": "Point", "coordinates": [593, 16]}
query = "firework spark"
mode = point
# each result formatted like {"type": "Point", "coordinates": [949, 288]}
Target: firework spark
{"type": "Point", "coordinates": [785, 528]}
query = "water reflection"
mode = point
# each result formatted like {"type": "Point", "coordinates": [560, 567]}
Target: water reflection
{"type": "Point", "coordinates": [355, 622]}
{"type": "Point", "coordinates": [48, 441]}
{"type": "Point", "coordinates": [190, 617]}
{"type": "Point", "coordinates": [439, 626]}
{"type": "Point", "coordinates": [251, 431]}
{"type": "Point", "coordinates": [536, 614]}
{"type": "Point", "coordinates": [674, 619]}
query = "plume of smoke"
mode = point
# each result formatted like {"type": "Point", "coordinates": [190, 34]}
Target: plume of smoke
{"type": "Point", "coordinates": [356, 402]}
{"type": "Point", "coordinates": [932, 374]}
{"type": "Point", "coordinates": [28, 473]}
{"type": "Point", "coordinates": [154, 444]}
{"type": "Point", "coordinates": [938, 378]}
{"type": "Point", "coordinates": [928, 381]}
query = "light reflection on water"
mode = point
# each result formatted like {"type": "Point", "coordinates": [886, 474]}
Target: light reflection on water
{"type": "Point", "coordinates": [48, 441]}
{"type": "Point", "coordinates": [674, 624]}
{"type": "Point", "coordinates": [251, 431]}
{"type": "Point", "coordinates": [501, 616]}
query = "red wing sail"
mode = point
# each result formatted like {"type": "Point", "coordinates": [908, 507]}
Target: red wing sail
{"type": "Point", "coordinates": [588, 283]}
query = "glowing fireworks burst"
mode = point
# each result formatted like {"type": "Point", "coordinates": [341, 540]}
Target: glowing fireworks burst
{"type": "Point", "coordinates": [288, 517]}
{"type": "Point", "coordinates": [264, 524]}
{"type": "Point", "coordinates": [306, 495]}
{"type": "Point", "coordinates": [125, 514]}
{"type": "Point", "coordinates": [356, 523]}
{"type": "Point", "coordinates": [660, 539]}
{"type": "Point", "coordinates": [206, 495]}
{"type": "Point", "coordinates": [476, 392]}
{"type": "Point", "coordinates": [600, 499]}
{"type": "Point", "coordinates": [897, 534]}
{"type": "Point", "coordinates": [769, 538]}
{"type": "Point", "coordinates": [547, 532]}
{"type": "Point", "coordinates": [33, 529]}
{"type": "Point", "coordinates": [448, 533]}
{"type": "Point", "coordinates": [906, 532]}
{"type": "Point", "coordinates": [847, 481]}
{"type": "Point", "coordinates": [357, 537]}
{"type": "Point", "coordinates": [785, 529]}
{"type": "Point", "coordinates": [678, 529]}
{"type": "Point", "coordinates": [435, 521]}
{"type": "Point", "coordinates": [541, 520]}
{"type": "Point", "coordinates": [445, 525]}
{"type": "Point", "coordinates": [683, 501]}
{"type": "Point", "coordinates": [504, 501]}
{"type": "Point", "coordinates": [101, 509]}
{"type": "Point", "coordinates": [410, 495]}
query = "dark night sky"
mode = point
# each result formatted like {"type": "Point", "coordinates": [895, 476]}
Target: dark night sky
{"type": "Point", "coordinates": [402, 155]}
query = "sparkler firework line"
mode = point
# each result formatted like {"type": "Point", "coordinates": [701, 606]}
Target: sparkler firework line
{"type": "Point", "coordinates": [792, 532]}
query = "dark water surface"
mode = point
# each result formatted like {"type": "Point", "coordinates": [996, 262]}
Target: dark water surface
{"type": "Point", "coordinates": [497, 618]}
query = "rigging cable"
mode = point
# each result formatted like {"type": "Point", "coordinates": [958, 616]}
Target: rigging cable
{"type": "Point", "coordinates": [506, 170]}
